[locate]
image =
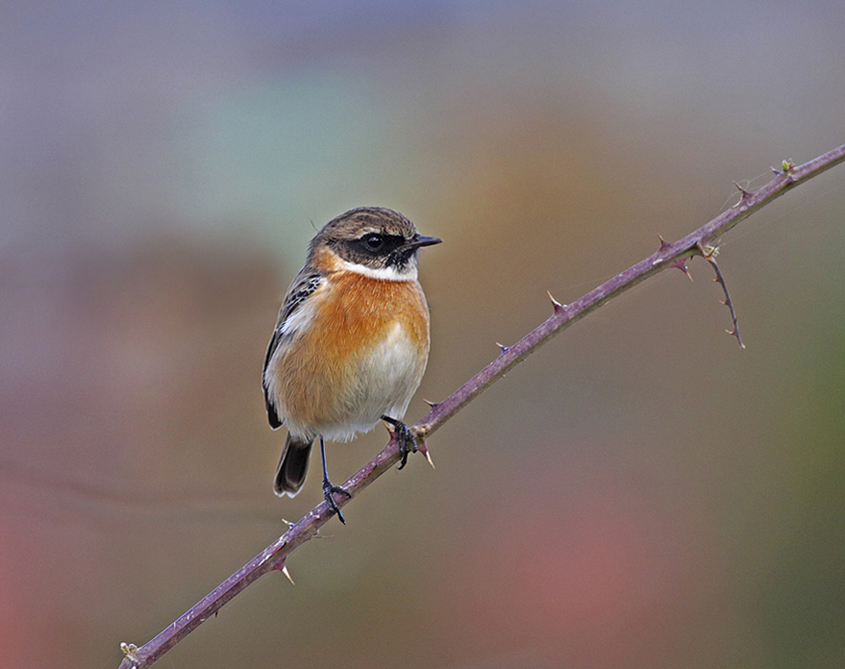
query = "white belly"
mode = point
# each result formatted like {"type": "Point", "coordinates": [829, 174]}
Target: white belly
{"type": "Point", "coordinates": [385, 382]}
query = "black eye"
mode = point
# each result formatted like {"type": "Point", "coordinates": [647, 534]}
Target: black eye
{"type": "Point", "coordinates": [374, 242]}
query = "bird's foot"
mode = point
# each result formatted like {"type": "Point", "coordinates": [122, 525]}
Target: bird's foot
{"type": "Point", "coordinates": [405, 439]}
{"type": "Point", "coordinates": [329, 491]}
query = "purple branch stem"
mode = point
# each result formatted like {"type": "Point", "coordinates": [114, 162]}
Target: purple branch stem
{"type": "Point", "coordinates": [668, 255]}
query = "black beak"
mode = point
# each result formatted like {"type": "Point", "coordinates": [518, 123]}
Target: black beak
{"type": "Point", "coordinates": [421, 240]}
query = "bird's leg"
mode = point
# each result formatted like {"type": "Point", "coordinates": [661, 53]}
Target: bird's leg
{"type": "Point", "coordinates": [405, 439]}
{"type": "Point", "coordinates": [328, 488]}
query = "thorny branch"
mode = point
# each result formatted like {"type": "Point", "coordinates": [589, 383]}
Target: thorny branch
{"type": "Point", "coordinates": [702, 242]}
{"type": "Point", "coordinates": [709, 253]}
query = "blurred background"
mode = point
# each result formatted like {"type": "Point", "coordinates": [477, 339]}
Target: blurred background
{"type": "Point", "coordinates": [640, 493]}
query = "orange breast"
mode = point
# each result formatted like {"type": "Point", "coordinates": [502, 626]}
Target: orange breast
{"type": "Point", "coordinates": [354, 315]}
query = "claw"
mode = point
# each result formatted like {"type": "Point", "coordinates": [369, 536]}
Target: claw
{"type": "Point", "coordinates": [405, 439]}
{"type": "Point", "coordinates": [329, 491]}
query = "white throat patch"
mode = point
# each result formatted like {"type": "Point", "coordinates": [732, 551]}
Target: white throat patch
{"type": "Point", "coordinates": [382, 273]}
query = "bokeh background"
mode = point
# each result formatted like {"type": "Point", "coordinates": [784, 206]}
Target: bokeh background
{"type": "Point", "coordinates": [640, 493]}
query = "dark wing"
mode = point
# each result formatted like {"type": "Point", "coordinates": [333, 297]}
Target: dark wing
{"type": "Point", "coordinates": [305, 283]}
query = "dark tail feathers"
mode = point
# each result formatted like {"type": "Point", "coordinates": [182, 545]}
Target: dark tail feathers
{"type": "Point", "coordinates": [293, 467]}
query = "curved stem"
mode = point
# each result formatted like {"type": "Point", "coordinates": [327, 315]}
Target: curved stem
{"type": "Point", "coordinates": [668, 255]}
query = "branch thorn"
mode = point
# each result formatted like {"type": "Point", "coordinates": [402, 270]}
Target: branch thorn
{"type": "Point", "coordinates": [420, 432]}
{"type": "Point", "coordinates": [430, 403]}
{"type": "Point", "coordinates": [428, 459]}
{"type": "Point", "coordinates": [681, 264]}
{"type": "Point", "coordinates": [424, 450]}
{"type": "Point", "coordinates": [744, 196]}
{"type": "Point", "coordinates": [678, 263]}
{"type": "Point", "coordinates": [557, 305]}
{"type": "Point", "coordinates": [504, 348]}
{"type": "Point", "coordinates": [282, 567]}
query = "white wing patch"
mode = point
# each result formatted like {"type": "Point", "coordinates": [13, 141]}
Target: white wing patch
{"type": "Point", "coordinates": [299, 319]}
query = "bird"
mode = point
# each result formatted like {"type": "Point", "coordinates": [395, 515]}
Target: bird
{"type": "Point", "coordinates": [351, 342]}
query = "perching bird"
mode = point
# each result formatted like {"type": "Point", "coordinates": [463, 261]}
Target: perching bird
{"type": "Point", "coordinates": [351, 342]}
